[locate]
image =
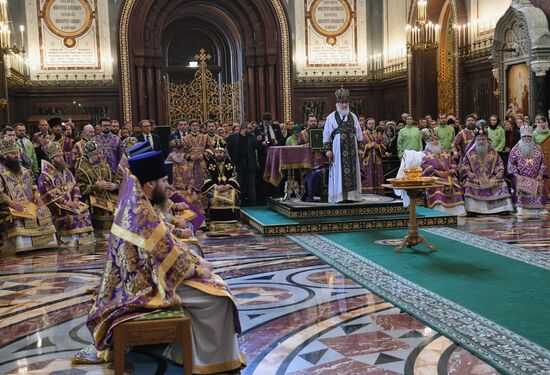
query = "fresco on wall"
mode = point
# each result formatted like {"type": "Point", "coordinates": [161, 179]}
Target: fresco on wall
{"type": "Point", "coordinates": [517, 91]}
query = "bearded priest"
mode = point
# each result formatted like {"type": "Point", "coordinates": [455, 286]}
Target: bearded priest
{"type": "Point", "coordinates": [440, 164]}
{"type": "Point", "coordinates": [341, 137]}
{"type": "Point", "coordinates": [221, 188]}
{"type": "Point", "coordinates": [169, 274]}
{"type": "Point", "coordinates": [482, 172]}
{"type": "Point", "coordinates": [98, 186]}
{"type": "Point", "coordinates": [60, 192]}
{"type": "Point", "coordinates": [25, 222]}
{"type": "Point", "coordinates": [527, 166]}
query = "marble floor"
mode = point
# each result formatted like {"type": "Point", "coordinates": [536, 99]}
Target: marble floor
{"type": "Point", "coordinates": [299, 316]}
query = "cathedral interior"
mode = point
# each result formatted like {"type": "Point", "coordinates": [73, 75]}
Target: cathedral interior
{"type": "Point", "coordinates": [414, 246]}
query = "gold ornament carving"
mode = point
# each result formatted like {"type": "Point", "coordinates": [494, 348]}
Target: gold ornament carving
{"type": "Point", "coordinates": [126, 84]}
{"type": "Point", "coordinates": [204, 98]}
{"type": "Point", "coordinates": [446, 77]}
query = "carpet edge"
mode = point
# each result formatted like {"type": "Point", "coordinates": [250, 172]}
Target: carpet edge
{"type": "Point", "coordinates": [481, 336]}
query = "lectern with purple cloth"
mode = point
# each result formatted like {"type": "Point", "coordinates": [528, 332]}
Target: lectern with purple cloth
{"type": "Point", "coordinates": [289, 158]}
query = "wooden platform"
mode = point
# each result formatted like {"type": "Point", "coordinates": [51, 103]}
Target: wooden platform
{"type": "Point", "coordinates": [271, 222]}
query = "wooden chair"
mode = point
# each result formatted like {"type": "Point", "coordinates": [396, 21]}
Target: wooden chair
{"type": "Point", "coordinates": [158, 327]}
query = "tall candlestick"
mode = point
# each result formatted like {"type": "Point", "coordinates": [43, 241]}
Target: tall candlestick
{"type": "Point", "coordinates": [422, 5]}
{"type": "Point", "coordinates": [22, 31]}
{"type": "Point", "coordinates": [4, 9]}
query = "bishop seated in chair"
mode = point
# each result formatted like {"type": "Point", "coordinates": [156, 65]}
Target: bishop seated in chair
{"type": "Point", "coordinates": [98, 186]}
{"type": "Point", "coordinates": [527, 166]}
{"type": "Point", "coordinates": [147, 269]}
{"type": "Point", "coordinates": [25, 222]}
{"type": "Point", "coordinates": [60, 192]}
{"type": "Point", "coordinates": [221, 188]}
{"type": "Point", "coordinates": [482, 173]}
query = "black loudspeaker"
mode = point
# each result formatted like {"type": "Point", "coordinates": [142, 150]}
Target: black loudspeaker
{"type": "Point", "coordinates": [164, 134]}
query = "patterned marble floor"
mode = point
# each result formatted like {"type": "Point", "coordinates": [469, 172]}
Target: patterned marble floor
{"type": "Point", "coordinates": [299, 316]}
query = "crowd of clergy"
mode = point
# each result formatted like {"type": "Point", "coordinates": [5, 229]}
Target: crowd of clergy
{"type": "Point", "coordinates": [150, 201]}
{"type": "Point", "coordinates": [59, 188]}
{"type": "Point", "coordinates": [56, 190]}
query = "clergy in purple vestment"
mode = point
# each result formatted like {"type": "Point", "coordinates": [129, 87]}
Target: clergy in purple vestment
{"type": "Point", "coordinates": [148, 268]}
{"type": "Point", "coordinates": [373, 147]}
{"type": "Point", "coordinates": [527, 166]}
{"type": "Point", "coordinates": [313, 179]}
{"type": "Point", "coordinates": [440, 164]}
{"type": "Point", "coordinates": [464, 139]}
{"type": "Point", "coordinates": [481, 171]}
{"type": "Point", "coordinates": [61, 194]}
{"type": "Point", "coordinates": [110, 144]}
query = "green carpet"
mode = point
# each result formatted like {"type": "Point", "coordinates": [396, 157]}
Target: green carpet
{"type": "Point", "coordinates": [513, 294]}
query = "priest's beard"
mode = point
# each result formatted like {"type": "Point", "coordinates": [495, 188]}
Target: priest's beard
{"type": "Point", "coordinates": [481, 150]}
{"type": "Point", "coordinates": [60, 165]}
{"type": "Point", "coordinates": [14, 165]}
{"type": "Point", "coordinates": [435, 149]}
{"type": "Point", "coordinates": [526, 149]}
{"type": "Point", "coordinates": [341, 111]}
{"type": "Point", "coordinates": [158, 197]}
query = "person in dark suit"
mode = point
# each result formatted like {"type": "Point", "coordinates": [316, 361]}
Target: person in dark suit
{"type": "Point", "coordinates": [243, 150]}
{"type": "Point", "coordinates": [146, 135]}
{"type": "Point", "coordinates": [182, 130]}
{"type": "Point", "coordinates": [268, 133]}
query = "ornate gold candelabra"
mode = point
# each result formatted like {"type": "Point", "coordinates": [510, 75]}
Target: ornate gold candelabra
{"type": "Point", "coordinates": [6, 48]}
{"type": "Point", "coordinates": [423, 34]}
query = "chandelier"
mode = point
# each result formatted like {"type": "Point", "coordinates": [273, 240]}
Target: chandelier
{"type": "Point", "coordinates": [6, 30]}
{"type": "Point", "coordinates": [423, 34]}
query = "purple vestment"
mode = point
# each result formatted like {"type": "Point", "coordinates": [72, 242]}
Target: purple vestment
{"type": "Point", "coordinates": [145, 265]}
{"type": "Point", "coordinates": [532, 168]}
{"type": "Point", "coordinates": [462, 142]}
{"type": "Point", "coordinates": [312, 180]}
{"type": "Point", "coordinates": [372, 171]}
{"type": "Point", "coordinates": [488, 183]}
{"type": "Point", "coordinates": [442, 167]}
{"type": "Point", "coordinates": [112, 148]}
{"type": "Point", "coordinates": [57, 189]}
